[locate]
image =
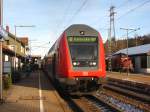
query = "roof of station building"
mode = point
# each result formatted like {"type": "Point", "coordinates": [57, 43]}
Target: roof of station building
{"type": "Point", "coordinates": [142, 49]}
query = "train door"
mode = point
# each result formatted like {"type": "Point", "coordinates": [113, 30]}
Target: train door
{"type": "Point", "coordinates": [54, 66]}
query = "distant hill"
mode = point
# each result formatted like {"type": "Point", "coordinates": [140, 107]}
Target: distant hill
{"type": "Point", "coordinates": [121, 44]}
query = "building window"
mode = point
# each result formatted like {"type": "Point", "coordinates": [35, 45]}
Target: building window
{"type": "Point", "coordinates": [6, 58]}
{"type": "Point", "coordinates": [7, 41]}
{"type": "Point", "coordinates": [22, 50]}
{"type": "Point", "coordinates": [12, 47]}
{"type": "Point", "coordinates": [143, 61]}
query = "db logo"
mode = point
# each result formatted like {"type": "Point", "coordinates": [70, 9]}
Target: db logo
{"type": "Point", "coordinates": [85, 73]}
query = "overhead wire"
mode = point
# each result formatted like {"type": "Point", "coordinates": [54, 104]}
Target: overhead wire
{"type": "Point", "coordinates": [60, 23]}
{"type": "Point", "coordinates": [128, 33]}
{"type": "Point", "coordinates": [133, 9]}
{"type": "Point", "coordinates": [123, 4]}
{"type": "Point", "coordinates": [77, 11]}
{"type": "Point", "coordinates": [65, 14]}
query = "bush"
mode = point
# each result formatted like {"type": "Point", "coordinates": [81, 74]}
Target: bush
{"type": "Point", "coordinates": [7, 82]}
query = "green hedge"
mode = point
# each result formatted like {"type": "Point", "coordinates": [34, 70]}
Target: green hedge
{"type": "Point", "coordinates": [7, 81]}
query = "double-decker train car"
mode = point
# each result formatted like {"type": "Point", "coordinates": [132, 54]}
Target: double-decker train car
{"type": "Point", "coordinates": [76, 60]}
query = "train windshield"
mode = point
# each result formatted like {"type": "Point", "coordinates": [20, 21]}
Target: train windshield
{"type": "Point", "coordinates": [83, 51]}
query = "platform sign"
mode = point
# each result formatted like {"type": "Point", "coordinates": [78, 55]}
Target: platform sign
{"type": "Point", "coordinates": [7, 67]}
{"type": "Point", "coordinates": [3, 33]}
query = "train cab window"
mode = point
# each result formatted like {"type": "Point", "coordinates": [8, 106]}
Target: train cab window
{"type": "Point", "coordinates": [83, 51]}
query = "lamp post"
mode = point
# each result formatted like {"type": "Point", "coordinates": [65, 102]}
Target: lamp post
{"type": "Point", "coordinates": [21, 26]}
{"type": "Point", "coordinates": [3, 36]}
{"type": "Point", "coordinates": [1, 70]}
{"type": "Point", "coordinates": [127, 30]}
{"type": "Point", "coordinates": [1, 55]}
{"type": "Point", "coordinates": [1, 12]}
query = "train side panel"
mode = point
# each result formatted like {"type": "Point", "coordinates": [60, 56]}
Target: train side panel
{"type": "Point", "coordinates": [102, 58]}
{"type": "Point", "coordinates": [63, 63]}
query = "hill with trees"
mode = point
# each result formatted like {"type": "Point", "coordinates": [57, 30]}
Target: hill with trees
{"type": "Point", "coordinates": [122, 43]}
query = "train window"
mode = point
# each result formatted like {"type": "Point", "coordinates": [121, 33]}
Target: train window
{"type": "Point", "coordinates": [83, 51]}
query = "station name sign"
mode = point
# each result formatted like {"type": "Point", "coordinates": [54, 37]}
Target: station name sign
{"type": "Point", "coordinates": [82, 39]}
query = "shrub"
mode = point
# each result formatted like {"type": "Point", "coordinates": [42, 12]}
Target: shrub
{"type": "Point", "coordinates": [7, 82]}
{"type": "Point", "coordinates": [16, 76]}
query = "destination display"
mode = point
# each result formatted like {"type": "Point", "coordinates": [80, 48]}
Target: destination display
{"type": "Point", "coordinates": [82, 39]}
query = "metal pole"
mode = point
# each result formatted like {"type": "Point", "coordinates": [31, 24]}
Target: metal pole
{"type": "Point", "coordinates": [109, 41]}
{"type": "Point", "coordinates": [1, 12]}
{"type": "Point", "coordinates": [127, 51]}
{"type": "Point", "coordinates": [1, 72]}
{"type": "Point", "coordinates": [15, 48]}
{"type": "Point", "coordinates": [128, 29]}
{"type": "Point", "coordinates": [30, 48]}
{"type": "Point", "coordinates": [1, 54]}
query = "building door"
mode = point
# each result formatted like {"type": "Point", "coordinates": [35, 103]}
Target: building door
{"type": "Point", "coordinates": [137, 64]}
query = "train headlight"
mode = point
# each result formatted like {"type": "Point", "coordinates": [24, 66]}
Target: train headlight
{"type": "Point", "coordinates": [94, 63]}
{"type": "Point", "coordinates": [74, 63]}
{"type": "Point", "coordinates": [91, 63]}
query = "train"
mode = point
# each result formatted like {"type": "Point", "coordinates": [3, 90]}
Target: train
{"type": "Point", "coordinates": [76, 61]}
{"type": "Point", "coordinates": [120, 62]}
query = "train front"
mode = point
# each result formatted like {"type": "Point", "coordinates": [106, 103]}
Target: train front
{"type": "Point", "coordinates": [86, 55]}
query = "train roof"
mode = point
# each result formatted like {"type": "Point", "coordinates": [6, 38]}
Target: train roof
{"type": "Point", "coordinates": [75, 30]}
{"type": "Point", "coordinates": [142, 49]}
{"type": "Point", "coordinates": [80, 30]}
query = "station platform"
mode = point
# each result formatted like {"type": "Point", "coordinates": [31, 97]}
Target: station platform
{"type": "Point", "coordinates": [135, 78]}
{"type": "Point", "coordinates": [34, 94]}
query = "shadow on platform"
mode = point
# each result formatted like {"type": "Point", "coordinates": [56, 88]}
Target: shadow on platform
{"type": "Point", "coordinates": [33, 81]}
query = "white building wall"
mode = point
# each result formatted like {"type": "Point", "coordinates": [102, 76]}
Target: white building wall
{"type": "Point", "coordinates": [145, 70]}
{"type": "Point", "coordinates": [138, 66]}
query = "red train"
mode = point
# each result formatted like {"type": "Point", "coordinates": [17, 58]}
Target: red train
{"type": "Point", "coordinates": [120, 62]}
{"type": "Point", "coordinates": [76, 60]}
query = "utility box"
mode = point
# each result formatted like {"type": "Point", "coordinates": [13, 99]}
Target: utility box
{"type": "Point", "coordinates": [7, 67]}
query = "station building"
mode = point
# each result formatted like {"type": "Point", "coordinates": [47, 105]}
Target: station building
{"type": "Point", "coordinates": [140, 56]}
{"type": "Point", "coordinates": [14, 53]}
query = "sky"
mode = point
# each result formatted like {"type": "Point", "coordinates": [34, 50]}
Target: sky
{"type": "Point", "coordinates": [52, 17]}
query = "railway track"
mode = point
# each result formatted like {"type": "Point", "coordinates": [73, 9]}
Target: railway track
{"type": "Point", "coordinates": [91, 103]}
{"type": "Point", "coordinates": [130, 95]}
{"type": "Point", "coordinates": [107, 100]}
{"type": "Point", "coordinates": [134, 90]}
{"type": "Point", "coordinates": [86, 103]}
